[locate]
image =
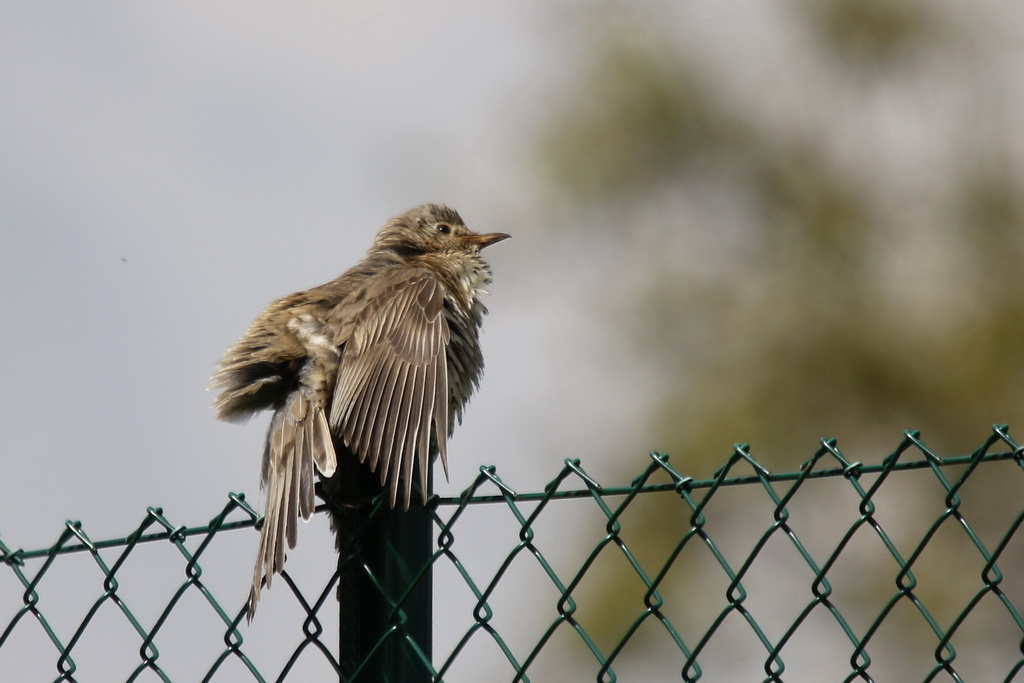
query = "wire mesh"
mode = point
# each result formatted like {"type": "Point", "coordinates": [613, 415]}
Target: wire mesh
{"type": "Point", "coordinates": [906, 569]}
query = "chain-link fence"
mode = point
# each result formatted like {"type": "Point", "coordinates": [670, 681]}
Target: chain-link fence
{"type": "Point", "coordinates": [906, 569]}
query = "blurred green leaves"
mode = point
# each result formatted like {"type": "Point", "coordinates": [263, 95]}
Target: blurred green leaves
{"type": "Point", "coordinates": [642, 117]}
{"type": "Point", "coordinates": [870, 32]}
{"type": "Point", "coordinates": [829, 302]}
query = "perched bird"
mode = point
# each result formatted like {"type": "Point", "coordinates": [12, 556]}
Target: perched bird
{"type": "Point", "coordinates": [375, 365]}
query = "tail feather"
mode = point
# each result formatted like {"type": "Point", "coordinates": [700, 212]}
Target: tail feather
{"type": "Point", "coordinates": [298, 441]}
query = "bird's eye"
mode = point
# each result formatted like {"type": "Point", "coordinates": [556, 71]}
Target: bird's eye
{"type": "Point", "coordinates": [444, 228]}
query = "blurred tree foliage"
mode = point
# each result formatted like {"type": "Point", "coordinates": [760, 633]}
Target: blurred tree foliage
{"type": "Point", "coordinates": [833, 298]}
{"type": "Point", "coordinates": [795, 251]}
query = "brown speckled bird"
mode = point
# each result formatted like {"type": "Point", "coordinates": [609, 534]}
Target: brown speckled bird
{"type": "Point", "coordinates": [375, 365]}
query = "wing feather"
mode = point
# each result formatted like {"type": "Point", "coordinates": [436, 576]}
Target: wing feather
{"type": "Point", "coordinates": [413, 420]}
{"type": "Point", "coordinates": [392, 389]}
{"type": "Point", "coordinates": [376, 384]}
{"type": "Point", "coordinates": [381, 409]}
{"type": "Point", "coordinates": [441, 415]}
{"type": "Point", "coordinates": [397, 423]}
{"type": "Point", "coordinates": [423, 442]}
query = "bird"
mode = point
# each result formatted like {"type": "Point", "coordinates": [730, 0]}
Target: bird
{"type": "Point", "coordinates": [375, 366]}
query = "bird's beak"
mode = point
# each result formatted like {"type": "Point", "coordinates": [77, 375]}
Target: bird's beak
{"type": "Point", "coordinates": [488, 239]}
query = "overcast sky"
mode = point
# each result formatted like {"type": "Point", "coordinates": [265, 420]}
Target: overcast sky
{"type": "Point", "coordinates": [166, 169]}
{"type": "Point", "coordinates": [170, 169]}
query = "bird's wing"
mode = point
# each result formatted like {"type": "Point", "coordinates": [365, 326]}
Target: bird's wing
{"type": "Point", "coordinates": [259, 371]}
{"type": "Point", "coordinates": [393, 382]}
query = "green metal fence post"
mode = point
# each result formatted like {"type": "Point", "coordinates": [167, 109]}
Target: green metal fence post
{"type": "Point", "coordinates": [383, 624]}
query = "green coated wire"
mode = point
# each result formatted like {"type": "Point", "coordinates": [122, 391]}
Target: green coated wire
{"type": "Point", "coordinates": [526, 508]}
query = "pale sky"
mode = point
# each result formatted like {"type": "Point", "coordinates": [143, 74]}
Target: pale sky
{"type": "Point", "coordinates": [167, 171]}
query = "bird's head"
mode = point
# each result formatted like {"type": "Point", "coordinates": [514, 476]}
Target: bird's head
{"type": "Point", "coordinates": [432, 229]}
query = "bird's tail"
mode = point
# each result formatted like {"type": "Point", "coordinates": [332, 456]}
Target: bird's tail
{"type": "Point", "coordinates": [298, 439]}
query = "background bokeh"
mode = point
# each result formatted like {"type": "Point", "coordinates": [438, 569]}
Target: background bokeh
{"type": "Point", "coordinates": [732, 222]}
